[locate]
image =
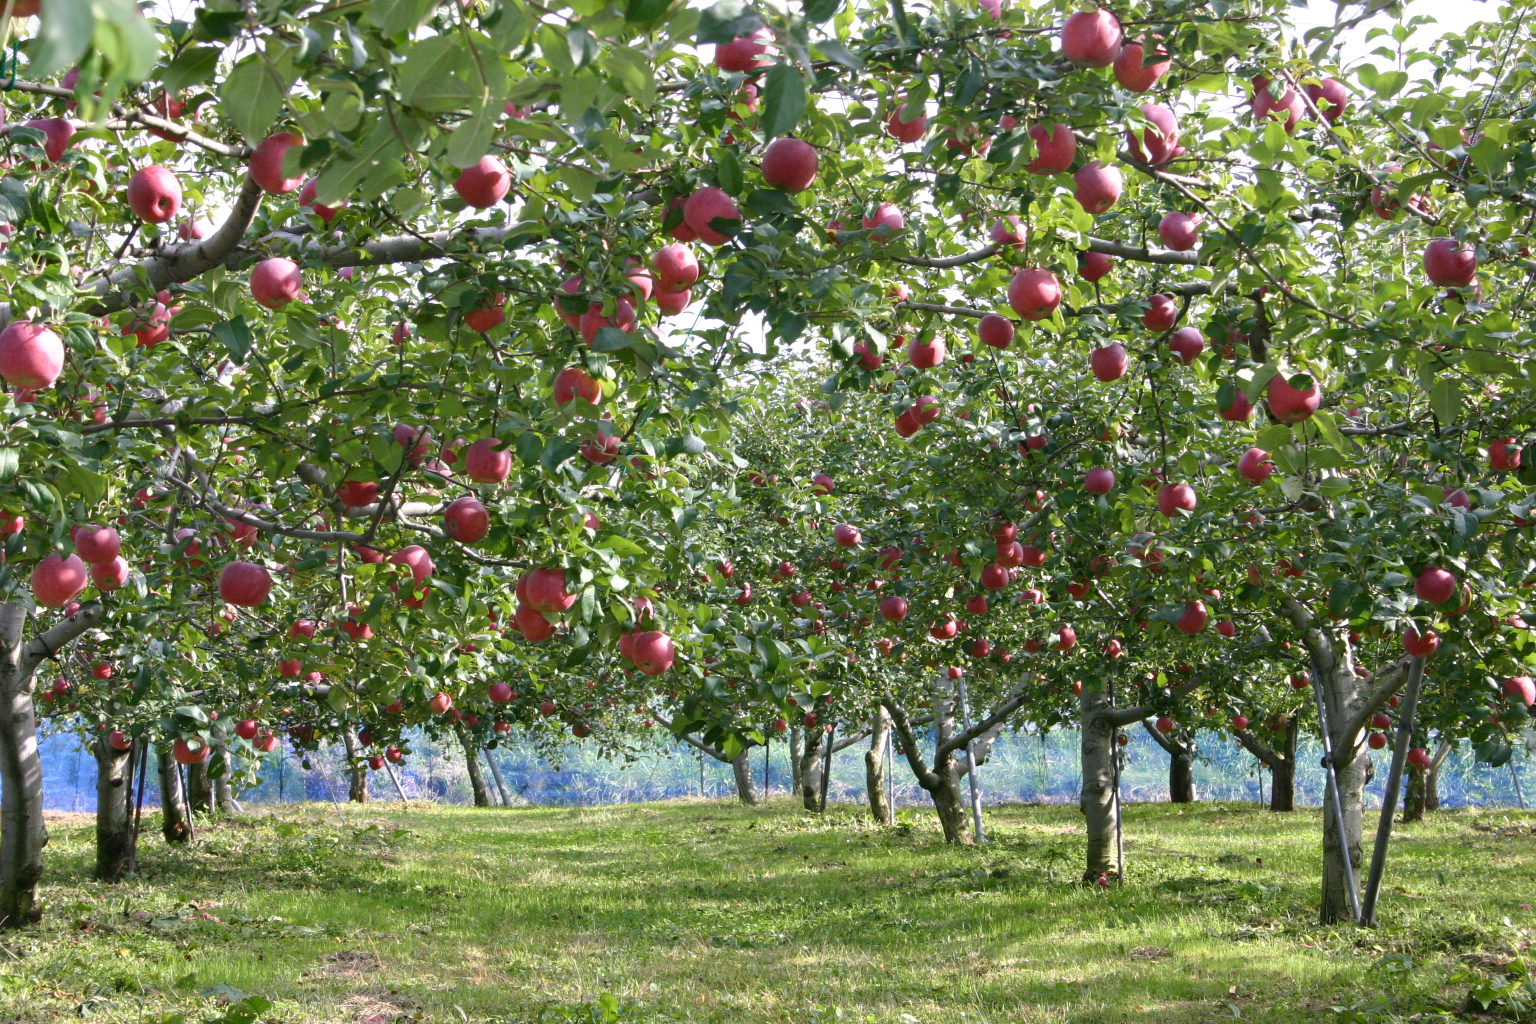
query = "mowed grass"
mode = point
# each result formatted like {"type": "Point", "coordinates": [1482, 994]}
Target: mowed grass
{"type": "Point", "coordinates": [703, 911]}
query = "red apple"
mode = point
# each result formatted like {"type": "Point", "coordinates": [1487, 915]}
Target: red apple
{"type": "Point", "coordinates": [593, 320]}
{"type": "Point", "coordinates": [1187, 343]}
{"type": "Point", "coordinates": [886, 222]}
{"type": "Point", "coordinates": [1522, 688]}
{"type": "Point", "coordinates": [1239, 722]}
{"type": "Point", "coordinates": [1329, 97]}
{"type": "Point", "coordinates": [673, 303]}
{"type": "Point", "coordinates": [244, 583]}
{"type": "Point", "coordinates": [1193, 619]}
{"type": "Point", "coordinates": [489, 315]}
{"type": "Point", "coordinates": [1066, 638]}
{"type": "Point", "coordinates": [1287, 108]}
{"type": "Point", "coordinates": [995, 577]}
{"type": "Point", "coordinates": [307, 201]}
{"type": "Point", "coordinates": [1240, 408]}
{"type": "Point", "coordinates": [97, 544]}
{"type": "Point", "coordinates": [995, 331]}
{"type": "Point", "coordinates": [1091, 39]}
{"type": "Point", "coordinates": [1436, 586]}
{"type": "Point", "coordinates": [1180, 231]}
{"type": "Point", "coordinates": [57, 133]}
{"type": "Point", "coordinates": [532, 624]}
{"type": "Point", "coordinates": [56, 580]}
{"type": "Point", "coordinates": [484, 464]}
{"type": "Point", "coordinates": [1008, 233]}
{"type": "Point", "coordinates": [154, 194]}
{"type": "Point", "coordinates": [189, 753]}
{"type": "Point", "coordinates": [357, 493]}
{"type": "Point", "coordinates": [1172, 498]}
{"type": "Point", "coordinates": [573, 382]}
{"type": "Point", "coordinates": [276, 282]}
{"type": "Point", "coordinates": [266, 165]}
{"type": "Point", "coordinates": [440, 702]}
{"type": "Point", "coordinates": [1055, 149]}
{"type": "Point", "coordinates": [194, 229]}
{"type": "Point", "coordinates": [109, 576]}
{"type": "Point", "coordinates": [483, 185]}
{"type": "Point", "coordinates": [466, 520]}
{"type": "Point", "coordinates": [743, 53]}
{"type": "Point", "coordinates": [704, 208]}
{"type": "Point", "coordinates": [676, 267]}
{"type": "Point", "coordinates": [31, 356]}
{"type": "Point", "coordinates": [1158, 143]}
{"type": "Point", "coordinates": [790, 164]}
{"type": "Point", "coordinates": [415, 558]}
{"type": "Point", "coordinates": [1450, 264]}
{"type": "Point", "coordinates": [1109, 362]}
{"type": "Point", "coordinates": [1290, 404]}
{"type": "Point", "coordinates": [1254, 466]}
{"type": "Point", "coordinates": [1132, 70]}
{"type": "Point", "coordinates": [893, 608]}
{"type": "Point", "coordinates": [977, 604]}
{"type": "Point", "coordinates": [544, 590]}
{"type": "Point", "coordinates": [1504, 455]}
{"type": "Point", "coordinates": [905, 131]}
{"type": "Point", "coordinates": [925, 355]}
{"type": "Point", "coordinates": [846, 536]}
{"type": "Point", "coordinates": [1091, 266]}
{"type": "Point", "coordinates": [1098, 187]}
{"type": "Point", "coordinates": [1162, 312]}
{"type": "Point", "coordinates": [654, 652]}
{"type": "Point", "coordinates": [1099, 480]}
{"type": "Point", "coordinates": [1034, 293]}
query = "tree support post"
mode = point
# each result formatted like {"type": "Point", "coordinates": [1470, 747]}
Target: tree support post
{"type": "Point", "coordinates": [826, 770]}
{"type": "Point", "coordinates": [396, 780]}
{"type": "Point", "coordinates": [970, 756]}
{"type": "Point", "coordinates": [1331, 776]}
{"type": "Point", "coordinates": [501, 786]}
{"type": "Point", "coordinates": [1390, 794]}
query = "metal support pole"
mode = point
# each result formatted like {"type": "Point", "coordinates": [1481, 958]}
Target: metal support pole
{"type": "Point", "coordinates": [1390, 794]}
{"type": "Point", "coordinates": [396, 780]}
{"type": "Point", "coordinates": [826, 765]}
{"type": "Point", "coordinates": [767, 766]}
{"type": "Point", "coordinates": [970, 756]}
{"type": "Point", "coordinates": [1259, 767]}
{"type": "Point", "coordinates": [501, 787]}
{"type": "Point", "coordinates": [701, 773]}
{"type": "Point", "coordinates": [890, 780]}
{"type": "Point", "coordinates": [1331, 776]}
{"type": "Point", "coordinates": [1514, 775]}
{"type": "Point", "coordinates": [1114, 751]}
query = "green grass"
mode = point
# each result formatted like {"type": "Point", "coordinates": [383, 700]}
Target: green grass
{"type": "Point", "coordinates": [702, 911]}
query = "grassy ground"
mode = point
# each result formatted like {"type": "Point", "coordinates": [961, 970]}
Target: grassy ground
{"type": "Point", "coordinates": [705, 912]}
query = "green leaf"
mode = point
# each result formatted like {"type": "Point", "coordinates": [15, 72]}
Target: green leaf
{"type": "Point", "coordinates": [430, 77]}
{"type": "Point", "coordinates": [642, 11]}
{"type": "Point", "coordinates": [236, 337]}
{"type": "Point", "coordinates": [472, 138]}
{"type": "Point", "coordinates": [193, 66]}
{"type": "Point", "coordinates": [818, 11]}
{"type": "Point", "coordinates": [394, 18]}
{"type": "Point", "coordinates": [837, 52]}
{"type": "Point", "coordinates": [726, 20]}
{"type": "Point", "coordinates": [1328, 428]}
{"type": "Point", "coordinates": [728, 172]}
{"type": "Point", "coordinates": [557, 451]}
{"type": "Point", "coordinates": [195, 316]}
{"type": "Point", "coordinates": [65, 28]}
{"type": "Point", "coordinates": [10, 462]}
{"type": "Point", "coordinates": [610, 339]}
{"type": "Point", "coordinates": [1260, 380]}
{"type": "Point", "coordinates": [529, 447]}
{"type": "Point", "coordinates": [1445, 400]}
{"type": "Point", "coordinates": [252, 96]}
{"type": "Point", "coordinates": [783, 100]}
{"type": "Point", "coordinates": [582, 47]}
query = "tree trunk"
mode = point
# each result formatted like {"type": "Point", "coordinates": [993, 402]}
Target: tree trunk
{"type": "Point", "coordinates": [874, 769]}
{"type": "Point", "coordinates": [1098, 801]}
{"type": "Point", "coordinates": [1432, 778]}
{"type": "Point", "coordinates": [1181, 777]}
{"type": "Point", "coordinates": [1354, 771]}
{"type": "Point", "coordinates": [223, 789]}
{"type": "Point", "coordinates": [811, 761]}
{"type": "Point", "coordinates": [114, 809]}
{"type": "Point", "coordinates": [199, 788]}
{"type": "Point", "coordinates": [1282, 793]}
{"type": "Point", "coordinates": [741, 767]}
{"type": "Point", "coordinates": [796, 749]}
{"type": "Point", "coordinates": [1413, 796]}
{"type": "Point", "coordinates": [357, 786]}
{"type": "Point", "coordinates": [173, 802]}
{"type": "Point", "coordinates": [472, 764]}
{"type": "Point", "coordinates": [950, 804]}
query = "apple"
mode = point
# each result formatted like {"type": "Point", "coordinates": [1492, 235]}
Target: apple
{"type": "Point", "coordinates": [1172, 498]}
{"type": "Point", "coordinates": [673, 303]}
{"type": "Point", "coordinates": [1193, 619]}
{"type": "Point", "coordinates": [1456, 498]}
{"type": "Point", "coordinates": [1239, 722]}
{"type": "Point", "coordinates": [276, 282]}
{"type": "Point", "coordinates": [151, 328]}
{"type": "Point", "coordinates": [1381, 721]}
{"type": "Point", "coordinates": [1187, 343]}
{"type": "Point", "coordinates": [1287, 107]}
{"type": "Point", "coordinates": [1010, 554]}
{"type": "Point", "coordinates": [1034, 293]}
{"type": "Point", "coordinates": [194, 229]}
{"type": "Point", "coordinates": [976, 604]}
{"type": "Point", "coordinates": [357, 493]}
{"type": "Point", "coordinates": [995, 331]}
{"type": "Point", "coordinates": [893, 608]}
{"type": "Point", "coordinates": [846, 536]}
{"type": "Point", "coordinates": [57, 133]}
{"type": "Point", "coordinates": [31, 356]}
{"type": "Point", "coordinates": [154, 194]}
{"type": "Point", "coordinates": [1165, 725]}
{"type": "Point", "coordinates": [57, 580]}
{"type": "Point", "coordinates": [1377, 740]}
{"type": "Point", "coordinates": [676, 267]}
{"type": "Point", "coordinates": [109, 576]}
{"type": "Point", "coordinates": [440, 702]}
{"type": "Point", "coordinates": [1098, 187]}
{"type": "Point", "coordinates": [1008, 233]}
{"type": "Point", "coordinates": [1180, 231]}
{"type": "Point", "coordinates": [97, 544]}
{"type": "Point", "coordinates": [415, 558]}
{"type": "Point", "coordinates": [1436, 586]}
{"type": "Point", "coordinates": [307, 201]}
{"type": "Point", "coordinates": [1032, 556]}
{"type": "Point", "coordinates": [532, 624]}
{"type": "Point", "coordinates": [1504, 455]}
{"type": "Point", "coordinates": [266, 165]}
{"type": "Point", "coordinates": [1091, 39]}
{"type": "Point", "coordinates": [484, 464]}
{"type": "Point", "coordinates": [1450, 264]}
{"type": "Point", "coordinates": [1162, 313]}
{"type": "Point", "coordinates": [1099, 480]}
{"type": "Point", "coordinates": [1055, 149]}
{"type": "Point", "coordinates": [654, 652]}
{"type": "Point", "coordinates": [944, 630]}
{"type": "Point", "coordinates": [290, 668]}
{"type": "Point", "coordinates": [785, 569]}
{"type": "Point", "coordinates": [1290, 404]}
{"type": "Point", "coordinates": [886, 222]}
{"type": "Point", "coordinates": [925, 355]}
{"type": "Point", "coordinates": [245, 584]}
{"type": "Point", "coordinates": [743, 53]}
{"type": "Point", "coordinates": [544, 590]}
{"type": "Point", "coordinates": [995, 577]}
{"type": "Point", "coordinates": [102, 670]}
{"type": "Point", "coordinates": [1239, 409]}
{"type": "Point", "coordinates": [1091, 266]}
{"type": "Point", "coordinates": [302, 627]}
{"type": "Point", "coordinates": [466, 520]}
{"type": "Point", "coordinates": [483, 185]}
{"type": "Point", "coordinates": [926, 409]}
{"type": "Point", "coordinates": [1329, 97]}
{"type": "Point", "coordinates": [1254, 466]}
{"type": "Point", "coordinates": [1158, 143]}
{"type": "Point", "coordinates": [1523, 688]}
{"type": "Point", "coordinates": [489, 315]}
{"type": "Point", "coordinates": [573, 382]}
{"type": "Point", "coordinates": [1066, 638]}
{"type": "Point", "coordinates": [601, 448]}
{"type": "Point", "coordinates": [189, 753]}
{"type": "Point", "coordinates": [790, 164]}
{"type": "Point", "coordinates": [1419, 758]}
{"type": "Point", "coordinates": [1032, 596]}
{"type": "Point", "coordinates": [593, 320]}
{"type": "Point", "coordinates": [706, 207]}
{"type": "Point", "coordinates": [905, 131]}
{"type": "Point", "coordinates": [1132, 71]}
{"type": "Point", "coordinates": [1109, 362]}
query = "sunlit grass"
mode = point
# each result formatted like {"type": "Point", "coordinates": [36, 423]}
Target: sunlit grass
{"type": "Point", "coordinates": [707, 912]}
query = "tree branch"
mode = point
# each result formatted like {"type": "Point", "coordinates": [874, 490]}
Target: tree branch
{"type": "Point", "coordinates": [926, 777]}
{"type": "Point", "coordinates": [56, 637]}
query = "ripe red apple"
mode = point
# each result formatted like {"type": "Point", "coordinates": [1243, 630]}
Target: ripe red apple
{"type": "Point", "coordinates": [484, 464]}
{"type": "Point", "coordinates": [57, 133]}
{"type": "Point", "coordinates": [676, 267]}
{"type": "Point", "coordinates": [1376, 740]}
{"type": "Point", "coordinates": [1436, 586]}
{"type": "Point", "coordinates": [654, 652]}
{"type": "Point", "coordinates": [415, 558]}
{"type": "Point", "coordinates": [31, 356]}
{"type": "Point", "coordinates": [1132, 71]}
{"type": "Point", "coordinates": [1161, 313]}
{"type": "Point", "coordinates": [1109, 362]}
{"type": "Point", "coordinates": [466, 520]}
{"type": "Point", "coordinates": [56, 580]}
{"type": "Point", "coordinates": [102, 670]}
{"type": "Point", "coordinates": [1239, 409]}
{"type": "Point", "coordinates": [532, 624]}
{"type": "Point", "coordinates": [593, 320]}
{"type": "Point", "coordinates": [944, 629]}
{"type": "Point", "coordinates": [673, 303]}
{"type": "Point", "coordinates": [925, 355]}
{"type": "Point", "coordinates": [846, 536]}
{"type": "Point", "coordinates": [1158, 143]}
{"type": "Point", "coordinates": [1066, 638]}
{"type": "Point", "coordinates": [1010, 554]}
{"type": "Point", "coordinates": [893, 608]}
{"type": "Point", "coordinates": [1008, 233]}
{"type": "Point", "coordinates": [1254, 466]}
{"type": "Point", "coordinates": [245, 584]}
{"type": "Point", "coordinates": [194, 229]}
{"type": "Point", "coordinates": [1099, 480]}
{"type": "Point", "coordinates": [601, 448]}
{"type": "Point", "coordinates": [1239, 722]}
{"type": "Point", "coordinates": [573, 382]}
{"type": "Point", "coordinates": [189, 753]}
{"type": "Point", "coordinates": [302, 627]}
{"type": "Point", "coordinates": [1287, 107]}
{"type": "Point", "coordinates": [905, 131]}
{"type": "Point", "coordinates": [1055, 149]}
{"type": "Point", "coordinates": [266, 165]}
{"type": "Point", "coordinates": [1091, 266]}
{"type": "Point", "coordinates": [1504, 455]}
{"type": "Point", "coordinates": [706, 207]}
{"type": "Point", "coordinates": [1329, 97]}
{"type": "Point", "coordinates": [744, 53]}
{"type": "Point", "coordinates": [1165, 725]}
{"type": "Point", "coordinates": [97, 544]}
{"type": "Point", "coordinates": [483, 185]}
{"type": "Point", "coordinates": [109, 576]}
{"type": "Point", "coordinates": [154, 194]}
{"type": "Point", "coordinates": [1034, 293]}
{"type": "Point", "coordinates": [1098, 187]}
{"type": "Point", "coordinates": [290, 668]}
{"type": "Point", "coordinates": [790, 164]}
{"type": "Point", "coordinates": [544, 590]}
{"type": "Point", "coordinates": [1419, 758]}
{"type": "Point", "coordinates": [276, 282]}
{"type": "Point", "coordinates": [1091, 39]}
{"type": "Point", "coordinates": [995, 577]}
{"type": "Point", "coordinates": [1456, 498]}
{"type": "Point", "coordinates": [1172, 498]}
{"type": "Point", "coordinates": [1193, 619]}
{"type": "Point", "coordinates": [307, 201]}
{"type": "Point", "coordinates": [1187, 343]}
{"type": "Point", "coordinates": [1290, 404]}
{"type": "Point", "coordinates": [885, 223]}
{"type": "Point", "coordinates": [440, 702]}
{"type": "Point", "coordinates": [1180, 231]}
{"type": "Point", "coordinates": [1450, 264]}
{"type": "Point", "coordinates": [976, 604]}
{"type": "Point", "coordinates": [357, 493]}
{"type": "Point", "coordinates": [489, 315]}
{"type": "Point", "coordinates": [995, 331]}
{"type": "Point", "coordinates": [1522, 688]}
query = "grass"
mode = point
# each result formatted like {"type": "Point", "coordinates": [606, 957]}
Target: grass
{"type": "Point", "coordinates": [702, 911]}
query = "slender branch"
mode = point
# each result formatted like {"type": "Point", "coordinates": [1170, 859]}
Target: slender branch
{"type": "Point", "coordinates": [52, 640]}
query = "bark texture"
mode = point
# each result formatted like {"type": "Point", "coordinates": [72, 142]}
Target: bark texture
{"type": "Point", "coordinates": [741, 768]}
{"type": "Point", "coordinates": [357, 782]}
{"type": "Point", "coordinates": [1180, 747]}
{"type": "Point", "coordinates": [114, 809]}
{"type": "Point", "coordinates": [200, 787]}
{"type": "Point", "coordinates": [1432, 778]}
{"type": "Point", "coordinates": [812, 758]}
{"type": "Point", "coordinates": [174, 824]}
{"type": "Point", "coordinates": [796, 749]}
{"type": "Point", "coordinates": [223, 789]}
{"type": "Point", "coordinates": [1098, 800]}
{"type": "Point", "coordinates": [472, 765]}
{"type": "Point", "coordinates": [1281, 763]}
{"type": "Point", "coordinates": [874, 769]}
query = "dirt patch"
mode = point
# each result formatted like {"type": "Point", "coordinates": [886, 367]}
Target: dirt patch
{"type": "Point", "coordinates": [371, 1006]}
{"type": "Point", "coordinates": [350, 963]}
{"type": "Point", "coordinates": [69, 818]}
{"type": "Point", "coordinates": [1150, 954]}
